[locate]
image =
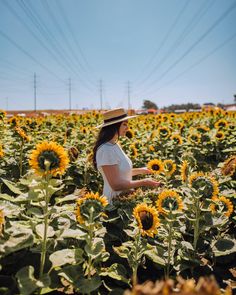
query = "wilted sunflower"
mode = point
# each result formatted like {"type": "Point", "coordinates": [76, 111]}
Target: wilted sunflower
{"type": "Point", "coordinates": [221, 124]}
{"type": "Point", "coordinates": [85, 203]}
{"type": "Point", "coordinates": [129, 133]}
{"type": "Point", "coordinates": [184, 170]}
{"type": "Point", "coordinates": [73, 153]}
{"type": "Point", "coordinates": [177, 139]}
{"type": "Point", "coordinates": [147, 219]}
{"type": "Point", "coordinates": [169, 200]}
{"type": "Point", "coordinates": [2, 220]}
{"type": "Point", "coordinates": [229, 167]}
{"type": "Point", "coordinates": [200, 181]}
{"type": "Point", "coordinates": [220, 135]}
{"type": "Point", "coordinates": [223, 205]}
{"type": "Point", "coordinates": [169, 167]}
{"type": "Point", "coordinates": [22, 133]}
{"type": "Point", "coordinates": [49, 158]}
{"type": "Point", "coordinates": [156, 166]}
{"type": "Point", "coordinates": [163, 132]}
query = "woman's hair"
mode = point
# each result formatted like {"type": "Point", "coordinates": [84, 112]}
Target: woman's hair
{"type": "Point", "coordinates": [105, 135]}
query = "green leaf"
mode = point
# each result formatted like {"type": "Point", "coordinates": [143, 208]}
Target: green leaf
{"type": "Point", "coordinates": [187, 245]}
{"type": "Point", "coordinates": [74, 233]}
{"type": "Point", "coordinates": [153, 255]}
{"type": "Point", "coordinates": [115, 271]}
{"type": "Point", "coordinates": [87, 286]}
{"type": "Point", "coordinates": [28, 283]}
{"type": "Point", "coordinates": [12, 187]}
{"type": "Point", "coordinates": [40, 231]}
{"type": "Point", "coordinates": [224, 247]}
{"type": "Point", "coordinates": [66, 256]}
{"type": "Point", "coordinates": [66, 199]}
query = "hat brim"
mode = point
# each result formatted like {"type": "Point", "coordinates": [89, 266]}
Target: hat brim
{"type": "Point", "coordinates": [115, 121]}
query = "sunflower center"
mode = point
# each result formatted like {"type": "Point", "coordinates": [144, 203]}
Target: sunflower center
{"type": "Point", "coordinates": [146, 220]}
{"type": "Point", "coordinates": [155, 167]}
{"type": "Point", "coordinates": [49, 156]}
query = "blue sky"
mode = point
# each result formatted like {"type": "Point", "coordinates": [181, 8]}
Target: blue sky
{"type": "Point", "coordinates": [167, 51]}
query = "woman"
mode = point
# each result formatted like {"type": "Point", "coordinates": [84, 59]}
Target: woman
{"type": "Point", "coordinates": [109, 158]}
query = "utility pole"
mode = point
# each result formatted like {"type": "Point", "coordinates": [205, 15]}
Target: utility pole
{"type": "Point", "coordinates": [70, 94]}
{"type": "Point", "coordinates": [35, 86]}
{"type": "Point", "coordinates": [128, 92]}
{"type": "Point", "coordinates": [100, 88]}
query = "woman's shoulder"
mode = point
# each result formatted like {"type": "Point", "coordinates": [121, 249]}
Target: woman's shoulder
{"type": "Point", "coordinates": [106, 147]}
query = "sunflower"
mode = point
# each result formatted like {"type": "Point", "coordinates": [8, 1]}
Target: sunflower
{"type": "Point", "coordinates": [133, 151]}
{"type": "Point", "coordinates": [184, 170]}
{"type": "Point", "coordinates": [147, 219]}
{"type": "Point", "coordinates": [202, 129]}
{"type": "Point", "coordinates": [151, 148]}
{"type": "Point", "coordinates": [222, 203]}
{"type": "Point", "coordinates": [169, 167]}
{"type": "Point", "coordinates": [229, 167]}
{"type": "Point", "coordinates": [177, 139]}
{"type": "Point", "coordinates": [83, 130]}
{"type": "Point", "coordinates": [180, 126]}
{"type": "Point", "coordinates": [163, 132]}
{"type": "Point", "coordinates": [169, 200]}
{"type": "Point", "coordinates": [86, 202]}
{"type": "Point", "coordinates": [221, 124]}
{"type": "Point", "coordinates": [1, 151]}
{"type": "Point", "coordinates": [199, 180]}
{"type": "Point", "coordinates": [194, 138]}
{"type": "Point", "coordinates": [22, 133]}
{"type": "Point", "coordinates": [2, 220]}
{"type": "Point", "coordinates": [156, 166]}
{"type": "Point", "coordinates": [2, 114]}
{"type": "Point", "coordinates": [73, 153]}
{"type": "Point", "coordinates": [220, 135]}
{"type": "Point", "coordinates": [49, 158]}
{"type": "Point", "coordinates": [129, 133]}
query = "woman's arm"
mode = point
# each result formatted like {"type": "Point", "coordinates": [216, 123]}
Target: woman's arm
{"type": "Point", "coordinates": [117, 183]}
{"type": "Point", "coordinates": [143, 170]}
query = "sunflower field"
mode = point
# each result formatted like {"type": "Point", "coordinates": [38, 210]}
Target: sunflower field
{"type": "Point", "coordinates": [58, 234]}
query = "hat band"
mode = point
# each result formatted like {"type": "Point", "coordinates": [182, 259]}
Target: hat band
{"type": "Point", "coordinates": [116, 118]}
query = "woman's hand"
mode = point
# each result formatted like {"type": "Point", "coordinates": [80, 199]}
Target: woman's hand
{"type": "Point", "coordinates": [151, 182]}
{"type": "Point", "coordinates": [145, 170]}
{"type": "Point", "coordinates": [139, 171]}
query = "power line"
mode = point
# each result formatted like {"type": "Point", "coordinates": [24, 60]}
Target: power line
{"type": "Point", "coordinates": [203, 36]}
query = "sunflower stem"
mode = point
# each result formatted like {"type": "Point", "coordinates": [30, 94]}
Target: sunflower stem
{"type": "Point", "coordinates": [169, 244]}
{"type": "Point", "coordinates": [196, 226]}
{"type": "Point", "coordinates": [44, 242]}
{"type": "Point", "coordinates": [90, 241]}
{"type": "Point", "coordinates": [21, 157]}
{"type": "Point", "coordinates": [136, 259]}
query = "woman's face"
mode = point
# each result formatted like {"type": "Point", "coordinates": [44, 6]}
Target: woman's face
{"type": "Point", "coordinates": [123, 128]}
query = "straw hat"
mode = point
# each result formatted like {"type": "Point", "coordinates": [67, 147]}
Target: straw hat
{"type": "Point", "coordinates": [114, 116]}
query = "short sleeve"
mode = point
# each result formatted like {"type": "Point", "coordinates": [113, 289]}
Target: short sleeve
{"type": "Point", "coordinates": [106, 155]}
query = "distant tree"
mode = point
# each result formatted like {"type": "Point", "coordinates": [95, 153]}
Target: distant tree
{"type": "Point", "coordinates": [147, 104]}
{"type": "Point", "coordinates": [183, 106]}
{"type": "Point", "coordinates": [234, 98]}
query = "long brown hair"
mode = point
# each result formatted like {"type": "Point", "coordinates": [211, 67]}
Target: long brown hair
{"type": "Point", "coordinates": [105, 135]}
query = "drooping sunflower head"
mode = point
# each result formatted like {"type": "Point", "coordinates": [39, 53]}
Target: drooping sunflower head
{"type": "Point", "coordinates": [129, 133]}
{"type": "Point", "coordinates": [222, 205]}
{"type": "Point", "coordinates": [73, 153]}
{"type": "Point", "coordinates": [177, 139]}
{"type": "Point", "coordinates": [133, 151]}
{"type": "Point", "coordinates": [90, 207]}
{"type": "Point", "coordinates": [1, 151]}
{"type": "Point", "coordinates": [169, 167]}
{"type": "Point", "coordinates": [2, 114]}
{"type": "Point", "coordinates": [184, 170]}
{"type": "Point", "coordinates": [156, 166]}
{"type": "Point", "coordinates": [229, 167]}
{"type": "Point", "coordinates": [163, 132]}
{"type": "Point", "coordinates": [207, 186]}
{"type": "Point", "coordinates": [49, 158]}
{"type": "Point", "coordinates": [169, 201]}
{"type": "Point", "coordinates": [22, 133]}
{"type": "Point", "coordinates": [147, 219]}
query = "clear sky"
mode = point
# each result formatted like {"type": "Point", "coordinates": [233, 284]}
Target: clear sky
{"type": "Point", "coordinates": [166, 51]}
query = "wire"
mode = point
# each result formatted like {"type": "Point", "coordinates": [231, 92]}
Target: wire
{"type": "Point", "coordinates": [203, 36]}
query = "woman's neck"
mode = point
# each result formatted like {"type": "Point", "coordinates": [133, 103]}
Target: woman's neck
{"type": "Point", "coordinates": [114, 139]}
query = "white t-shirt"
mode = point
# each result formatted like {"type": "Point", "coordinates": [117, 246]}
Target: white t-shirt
{"type": "Point", "coordinates": [112, 154]}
